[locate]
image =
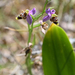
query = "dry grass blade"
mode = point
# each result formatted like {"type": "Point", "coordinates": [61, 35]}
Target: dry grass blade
{"type": "Point", "coordinates": [20, 30]}
{"type": "Point", "coordinates": [21, 54]}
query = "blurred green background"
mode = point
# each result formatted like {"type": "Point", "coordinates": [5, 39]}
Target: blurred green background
{"type": "Point", "coordinates": [14, 33]}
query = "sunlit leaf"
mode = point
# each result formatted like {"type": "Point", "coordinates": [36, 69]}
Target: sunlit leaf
{"type": "Point", "coordinates": [57, 53]}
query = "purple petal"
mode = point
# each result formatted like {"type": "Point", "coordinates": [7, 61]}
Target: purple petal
{"type": "Point", "coordinates": [49, 14]}
{"type": "Point", "coordinates": [29, 19]}
{"type": "Point", "coordinates": [48, 11]}
{"type": "Point", "coordinates": [46, 18]}
{"type": "Point", "coordinates": [52, 11]}
{"type": "Point", "coordinates": [33, 11]}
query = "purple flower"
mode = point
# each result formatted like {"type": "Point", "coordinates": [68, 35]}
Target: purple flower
{"type": "Point", "coordinates": [27, 15]}
{"type": "Point", "coordinates": [49, 14]}
{"type": "Point", "coordinates": [31, 12]}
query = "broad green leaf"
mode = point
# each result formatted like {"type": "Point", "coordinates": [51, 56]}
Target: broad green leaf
{"type": "Point", "coordinates": [57, 53]}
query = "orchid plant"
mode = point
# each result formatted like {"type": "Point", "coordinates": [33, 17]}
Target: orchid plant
{"type": "Point", "coordinates": [29, 16]}
{"type": "Point", "coordinates": [55, 43]}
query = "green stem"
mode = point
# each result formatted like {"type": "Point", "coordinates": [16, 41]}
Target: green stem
{"type": "Point", "coordinates": [32, 17]}
{"type": "Point", "coordinates": [38, 16]}
{"type": "Point", "coordinates": [32, 26]}
{"type": "Point", "coordinates": [29, 37]}
{"type": "Point", "coordinates": [37, 25]}
{"type": "Point", "coordinates": [30, 29]}
{"type": "Point", "coordinates": [45, 5]}
{"type": "Point", "coordinates": [28, 60]}
{"type": "Point", "coordinates": [28, 63]}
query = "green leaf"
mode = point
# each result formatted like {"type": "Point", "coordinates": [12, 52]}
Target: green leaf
{"type": "Point", "coordinates": [57, 53]}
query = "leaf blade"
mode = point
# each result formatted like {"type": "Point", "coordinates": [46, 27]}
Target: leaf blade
{"type": "Point", "coordinates": [57, 53]}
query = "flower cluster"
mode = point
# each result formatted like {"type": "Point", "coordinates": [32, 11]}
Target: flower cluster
{"type": "Point", "coordinates": [50, 16]}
